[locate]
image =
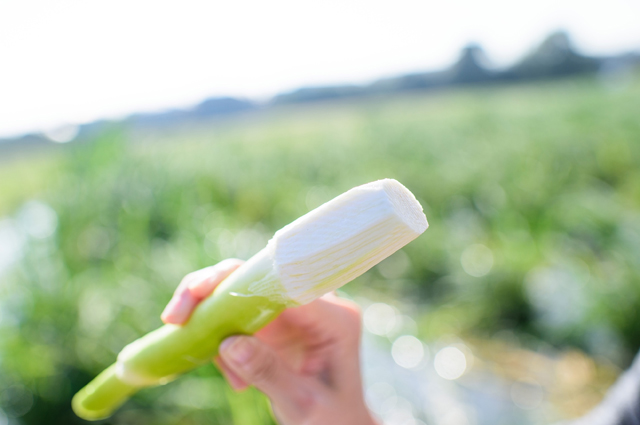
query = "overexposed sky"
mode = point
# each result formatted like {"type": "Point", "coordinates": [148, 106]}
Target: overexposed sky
{"type": "Point", "coordinates": [79, 60]}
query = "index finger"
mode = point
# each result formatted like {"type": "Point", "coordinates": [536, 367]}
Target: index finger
{"type": "Point", "coordinates": [194, 288]}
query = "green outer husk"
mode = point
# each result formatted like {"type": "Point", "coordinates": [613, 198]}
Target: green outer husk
{"type": "Point", "coordinates": [158, 357]}
{"type": "Point", "coordinates": [101, 396]}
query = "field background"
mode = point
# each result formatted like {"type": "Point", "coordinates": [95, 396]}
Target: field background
{"type": "Point", "coordinates": [531, 262]}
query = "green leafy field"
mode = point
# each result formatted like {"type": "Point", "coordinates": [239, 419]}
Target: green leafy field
{"type": "Point", "coordinates": [532, 194]}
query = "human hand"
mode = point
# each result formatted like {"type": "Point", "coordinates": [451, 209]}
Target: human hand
{"type": "Point", "coordinates": [306, 361]}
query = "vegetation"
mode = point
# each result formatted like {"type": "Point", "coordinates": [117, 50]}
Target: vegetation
{"type": "Point", "coordinates": [531, 192]}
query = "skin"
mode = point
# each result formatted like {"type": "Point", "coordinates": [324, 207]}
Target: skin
{"type": "Point", "coordinates": [306, 361]}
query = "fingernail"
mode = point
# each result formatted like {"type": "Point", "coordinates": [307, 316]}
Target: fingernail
{"type": "Point", "coordinates": [170, 310]}
{"type": "Point", "coordinates": [178, 310]}
{"type": "Point", "coordinates": [236, 349]}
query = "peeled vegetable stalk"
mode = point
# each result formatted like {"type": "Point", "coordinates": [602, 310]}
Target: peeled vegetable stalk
{"type": "Point", "coordinates": [317, 253]}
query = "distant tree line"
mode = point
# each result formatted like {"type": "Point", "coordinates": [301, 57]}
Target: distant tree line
{"type": "Point", "coordinates": [555, 57]}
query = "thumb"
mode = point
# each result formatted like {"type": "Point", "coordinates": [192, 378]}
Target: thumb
{"type": "Point", "coordinates": [258, 364]}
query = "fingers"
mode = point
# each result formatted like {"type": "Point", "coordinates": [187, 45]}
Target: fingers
{"type": "Point", "coordinates": [254, 362]}
{"type": "Point", "coordinates": [201, 286]}
{"type": "Point", "coordinates": [194, 288]}
{"type": "Point", "coordinates": [179, 308]}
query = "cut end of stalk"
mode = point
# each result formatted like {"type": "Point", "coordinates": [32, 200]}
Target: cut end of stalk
{"type": "Point", "coordinates": [101, 396]}
{"type": "Point", "coordinates": [406, 205]}
{"type": "Point", "coordinates": [342, 239]}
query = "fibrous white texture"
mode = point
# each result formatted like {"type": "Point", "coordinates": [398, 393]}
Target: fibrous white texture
{"type": "Point", "coordinates": [340, 240]}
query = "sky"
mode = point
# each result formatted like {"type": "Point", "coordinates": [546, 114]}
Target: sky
{"type": "Point", "coordinates": [74, 61]}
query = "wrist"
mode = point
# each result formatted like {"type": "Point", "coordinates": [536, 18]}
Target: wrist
{"type": "Point", "coordinates": [368, 418]}
{"type": "Point", "coordinates": [372, 420]}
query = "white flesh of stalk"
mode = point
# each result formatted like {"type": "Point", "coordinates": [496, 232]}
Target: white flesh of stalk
{"type": "Point", "coordinates": [340, 240]}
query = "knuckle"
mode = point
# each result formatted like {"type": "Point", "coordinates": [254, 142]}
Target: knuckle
{"type": "Point", "coordinates": [188, 277]}
{"type": "Point", "coordinates": [350, 314]}
{"type": "Point", "coordinates": [184, 282]}
{"type": "Point", "coordinates": [305, 401]}
{"type": "Point", "coordinates": [263, 369]}
{"type": "Point", "coordinates": [353, 316]}
{"type": "Point", "coordinates": [353, 310]}
{"type": "Point", "coordinates": [229, 263]}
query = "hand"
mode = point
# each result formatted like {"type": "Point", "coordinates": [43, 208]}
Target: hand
{"type": "Point", "coordinates": [306, 361]}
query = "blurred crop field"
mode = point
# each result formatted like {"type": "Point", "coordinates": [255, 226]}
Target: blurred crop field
{"type": "Point", "coordinates": [523, 295]}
